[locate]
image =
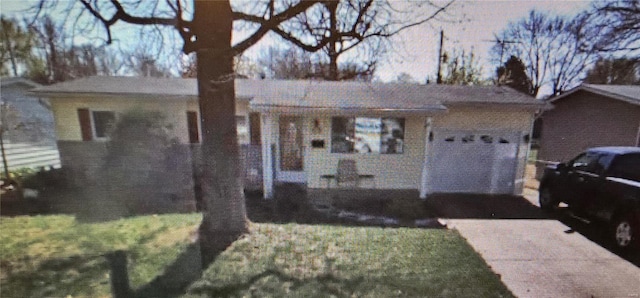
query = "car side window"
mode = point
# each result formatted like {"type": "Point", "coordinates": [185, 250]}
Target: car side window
{"type": "Point", "coordinates": [626, 167]}
{"type": "Point", "coordinates": [588, 162]}
{"type": "Point", "coordinates": [580, 161]}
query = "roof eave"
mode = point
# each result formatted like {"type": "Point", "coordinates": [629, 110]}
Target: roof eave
{"type": "Point", "coordinates": [595, 91]}
{"type": "Point", "coordinates": [522, 105]}
{"type": "Point", "coordinates": [62, 95]}
{"type": "Point", "coordinates": [267, 108]}
{"type": "Point", "coordinates": [18, 80]}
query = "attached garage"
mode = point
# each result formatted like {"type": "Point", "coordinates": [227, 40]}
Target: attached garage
{"type": "Point", "coordinates": [473, 161]}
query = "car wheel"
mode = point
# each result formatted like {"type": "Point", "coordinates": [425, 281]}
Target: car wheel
{"type": "Point", "coordinates": [546, 199]}
{"type": "Point", "coordinates": [625, 231]}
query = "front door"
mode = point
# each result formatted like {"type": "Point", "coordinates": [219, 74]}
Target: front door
{"type": "Point", "coordinates": [291, 150]}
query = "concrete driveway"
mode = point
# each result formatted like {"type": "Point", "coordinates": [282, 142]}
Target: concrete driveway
{"type": "Point", "coordinates": [537, 256]}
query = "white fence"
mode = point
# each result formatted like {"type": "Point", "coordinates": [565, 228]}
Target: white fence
{"type": "Point", "coordinates": [31, 155]}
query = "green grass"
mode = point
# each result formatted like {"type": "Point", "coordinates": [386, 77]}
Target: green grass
{"type": "Point", "coordinates": [319, 261]}
{"type": "Point", "coordinates": [56, 256]}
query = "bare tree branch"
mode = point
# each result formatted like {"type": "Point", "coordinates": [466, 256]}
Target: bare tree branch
{"type": "Point", "coordinates": [615, 26]}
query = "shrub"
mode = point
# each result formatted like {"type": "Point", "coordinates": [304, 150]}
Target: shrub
{"type": "Point", "coordinates": [139, 167]}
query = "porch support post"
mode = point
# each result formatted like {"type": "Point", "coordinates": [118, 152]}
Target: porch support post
{"type": "Point", "coordinates": [267, 158]}
{"type": "Point", "coordinates": [521, 179]}
{"type": "Point", "coordinates": [424, 191]}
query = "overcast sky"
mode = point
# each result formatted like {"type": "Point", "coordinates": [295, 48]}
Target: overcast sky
{"type": "Point", "coordinates": [417, 53]}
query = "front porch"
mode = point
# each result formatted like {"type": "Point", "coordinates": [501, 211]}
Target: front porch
{"type": "Point", "coordinates": [345, 206]}
{"type": "Point", "coordinates": [309, 149]}
{"type": "Point", "coordinates": [381, 207]}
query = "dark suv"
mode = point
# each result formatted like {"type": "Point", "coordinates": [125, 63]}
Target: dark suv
{"type": "Point", "coordinates": [602, 184]}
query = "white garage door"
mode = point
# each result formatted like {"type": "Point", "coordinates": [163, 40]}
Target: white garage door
{"type": "Point", "coordinates": [472, 162]}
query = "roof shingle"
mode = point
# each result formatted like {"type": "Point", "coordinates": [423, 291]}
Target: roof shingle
{"type": "Point", "coordinates": [304, 93]}
{"type": "Point", "coordinates": [627, 93]}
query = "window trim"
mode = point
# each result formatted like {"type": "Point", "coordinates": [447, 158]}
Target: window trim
{"type": "Point", "coordinates": [94, 133]}
{"type": "Point", "coordinates": [84, 121]}
{"type": "Point", "coordinates": [199, 127]}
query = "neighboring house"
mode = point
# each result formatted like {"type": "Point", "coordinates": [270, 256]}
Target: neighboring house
{"type": "Point", "coordinates": [29, 138]}
{"type": "Point", "coordinates": [432, 138]}
{"type": "Point", "coordinates": [590, 116]}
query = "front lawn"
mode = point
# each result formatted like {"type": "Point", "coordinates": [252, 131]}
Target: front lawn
{"type": "Point", "coordinates": [56, 256]}
{"type": "Point", "coordinates": [320, 261]}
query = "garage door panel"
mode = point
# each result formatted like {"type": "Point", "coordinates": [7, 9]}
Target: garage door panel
{"type": "Point", "coordinates": [472, 162]}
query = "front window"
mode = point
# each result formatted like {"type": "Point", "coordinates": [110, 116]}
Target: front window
{"type": "Point", "coordinates": [103, 123]}
{"type": "Point", "coordinates": [367, 135]}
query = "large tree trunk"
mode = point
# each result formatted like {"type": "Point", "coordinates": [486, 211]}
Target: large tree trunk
{"type": "Point", "coordinates": [223, 204]}
{"type": "Point", "coordinates": [332, 6]}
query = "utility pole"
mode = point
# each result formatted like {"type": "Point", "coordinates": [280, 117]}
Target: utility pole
{"type": "Point", "coordinates": [439, 77]}
{"type": "Point", "coordinates": [502, 42]}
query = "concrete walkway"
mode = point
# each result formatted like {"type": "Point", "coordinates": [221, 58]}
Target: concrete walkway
{"type": "Point", "coordinates": [543, 258]}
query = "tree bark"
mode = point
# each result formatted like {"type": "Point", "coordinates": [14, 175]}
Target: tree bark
{"type": "Point", "coordinates": [7, 39]}
{"type": "Point", "coordinates": [332, 6]}
{"type": "Point", "coordinates": [223, 203]}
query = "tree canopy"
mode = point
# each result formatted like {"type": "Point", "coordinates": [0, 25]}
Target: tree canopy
{"type": "Point", "coordinates": [620, 71]}
{"type": "Point", "coordinates": [616, 25]}
{"type": "Point", "coordinates": [461, 69]}
{"type": "Point", "coordinates": [550, 48]}
{"type": "Point", "coordinates": [362, 26]}
{"type": "Point", "coordinates": [557, 51]}
{"type": "Point", "coordinates": [513, 74]}
{"type": "Point", "coordinates": [295, 63]}
{"type": "Point", "coordinates": [15, 46]}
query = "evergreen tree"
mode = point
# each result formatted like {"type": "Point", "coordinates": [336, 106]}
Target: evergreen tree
{"type": "Point", "coordinates": [513, 74]}
{"type": "Point", "coordinates": [16, 44]}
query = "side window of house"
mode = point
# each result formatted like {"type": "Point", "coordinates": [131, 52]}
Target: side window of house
{"type": "Point", "coordinates": [95, 124]}
{"type": "Point", "coordinates": [367, 135]}
{"type": "Point", "coordinates": [103, 122]}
